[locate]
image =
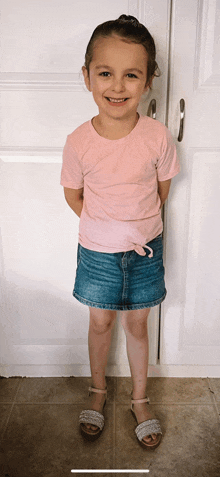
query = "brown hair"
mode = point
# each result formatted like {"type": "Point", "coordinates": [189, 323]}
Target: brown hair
{"type": "Point", "coordinates": [127, 27]}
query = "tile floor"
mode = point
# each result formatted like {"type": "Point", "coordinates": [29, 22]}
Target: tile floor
{"type": "Point", "coordinates": [40, 434]}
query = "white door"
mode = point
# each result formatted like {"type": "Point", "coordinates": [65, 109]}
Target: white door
{"type": "Point", "coordinates": [191, 312]}
{"type": "Point", "coordinates": [42, 100]}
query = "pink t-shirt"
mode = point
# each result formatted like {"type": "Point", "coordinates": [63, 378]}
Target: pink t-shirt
{"type": "Point", "coordinates": [121, 207]}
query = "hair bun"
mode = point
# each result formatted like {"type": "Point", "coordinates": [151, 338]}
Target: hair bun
{"type": "Point", "coordinates": [129, 19]}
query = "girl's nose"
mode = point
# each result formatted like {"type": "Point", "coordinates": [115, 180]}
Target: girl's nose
{"type": "Point", "coordinates": [118, 84]}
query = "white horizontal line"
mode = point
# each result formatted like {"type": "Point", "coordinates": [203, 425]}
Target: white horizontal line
{"type": "Point", "coordinates": [110, 471]}
{"type": "Point", "coordinates": [44, 159]}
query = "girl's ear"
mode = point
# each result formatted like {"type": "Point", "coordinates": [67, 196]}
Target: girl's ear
{"type": "Point", "coordinates": [151, 81]}
{"type": "Point", "coordinates": [86, 78]}
{"type": "Point", "coordinates": [149, 84]}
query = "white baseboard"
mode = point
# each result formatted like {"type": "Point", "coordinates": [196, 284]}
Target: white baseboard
{"type": "Point", "coordinates": [111, 370]}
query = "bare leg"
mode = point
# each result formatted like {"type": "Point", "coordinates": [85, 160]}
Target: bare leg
{"type": "Point", "coordinates": [135, 325]}
{"type": "Point", "coordinates": [99, 339]}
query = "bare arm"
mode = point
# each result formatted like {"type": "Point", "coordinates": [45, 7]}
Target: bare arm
{"type": "Point", "coordinates": [74, 198]}
{"type": "Point", "coordinates": [163, 190]}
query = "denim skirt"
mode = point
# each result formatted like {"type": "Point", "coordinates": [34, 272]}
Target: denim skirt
{"type": "Point", "coordinates": [120, 281]}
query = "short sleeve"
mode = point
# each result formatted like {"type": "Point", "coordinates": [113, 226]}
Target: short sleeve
{"type": "Point", "coordinates": [168, 164]}
{"type": "Point", "coordinates": [71, 172]}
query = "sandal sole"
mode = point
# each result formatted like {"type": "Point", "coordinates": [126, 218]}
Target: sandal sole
{"type": "Point", "coordinates": [90, 436]}
{"type": "Point", "coordinates": [146, 446]}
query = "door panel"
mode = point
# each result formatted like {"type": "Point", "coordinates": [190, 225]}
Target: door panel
{"type": "Point", "coordinates": [190, 314]}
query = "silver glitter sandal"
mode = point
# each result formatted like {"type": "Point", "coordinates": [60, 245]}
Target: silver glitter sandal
{"type": "Point", "coordinates": [92, 417]}
{"type": "Point", "coordinates": [147, 428]}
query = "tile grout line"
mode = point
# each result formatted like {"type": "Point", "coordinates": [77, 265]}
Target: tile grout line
{"type": "Point", "coordinates": [12, 407]}
{"type": "Point", "coordinates": [213, 398]}
{"type": "Point", "coordinates": [114, 424]}
{"type": "Point", "coordinates": [158, 403]}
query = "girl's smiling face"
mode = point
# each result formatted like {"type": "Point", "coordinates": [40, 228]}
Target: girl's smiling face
{"type": "Point", "coordinates": [118, 71]}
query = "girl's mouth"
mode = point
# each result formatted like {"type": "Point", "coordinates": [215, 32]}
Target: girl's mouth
{"type": "Point", "coordinates": [117, 102]}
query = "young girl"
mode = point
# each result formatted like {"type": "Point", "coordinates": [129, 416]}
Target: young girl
{"type": "Point", "coordinates": [116, 174]}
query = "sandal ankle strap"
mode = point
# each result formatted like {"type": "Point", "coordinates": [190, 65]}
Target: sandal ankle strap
{"type": "Point", "coordinates": [139, 401]}
{"type": "Point", "coordinates": [95, 390]}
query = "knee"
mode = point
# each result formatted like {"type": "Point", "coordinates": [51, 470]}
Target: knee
{"type": "Point", "coordinates": [138, 330]}
{"type": "Point", "coordinates": [134, 325]}
{"type": "Point", "coordinates": [101, 327]}
{"type": "Point", "coordinates": [102, 324]}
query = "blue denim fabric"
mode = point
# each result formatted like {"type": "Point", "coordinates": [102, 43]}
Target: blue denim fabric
{"type": "Point", "coordinates": [120, 281]}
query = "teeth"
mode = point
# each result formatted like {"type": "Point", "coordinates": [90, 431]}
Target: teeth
{"type": "Point", "coordinates": [117, 100]}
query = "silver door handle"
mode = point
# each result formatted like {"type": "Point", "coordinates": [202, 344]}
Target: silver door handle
{"type": "Point", "coordinates": [152, 109]}
{"type": "Point", "coordinates": [182, 116]}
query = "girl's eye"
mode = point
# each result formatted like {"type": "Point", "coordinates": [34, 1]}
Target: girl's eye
{"type": "Point", "coordinates": [106, 73]}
